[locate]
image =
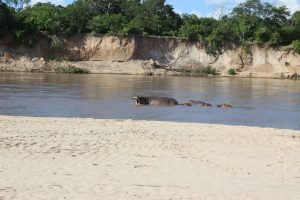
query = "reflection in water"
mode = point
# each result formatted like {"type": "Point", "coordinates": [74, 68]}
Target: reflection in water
{"type": "Point", "coordinates": [258, 102]}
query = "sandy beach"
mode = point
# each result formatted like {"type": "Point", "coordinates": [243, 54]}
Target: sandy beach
{"type": "Point", "coordinates": [89, 159]}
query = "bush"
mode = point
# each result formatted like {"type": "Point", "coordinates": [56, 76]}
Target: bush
{"type": "Point", "coordinates": [209, 70]}
{"type": "Point", "coordinates": [262, 35]}
{"type": "Point", "coordinates": [296, 46]}
{"type": "Point", "coordinates": [231, 72]}
{"type": "Point", "coordinates": [202, 72]}
{"type": "Point", "coordinates": [295, 76]}
{"type": "Point", "coordinates": [70, 69]}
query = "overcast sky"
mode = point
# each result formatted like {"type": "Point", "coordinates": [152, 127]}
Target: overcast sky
{"type": "Point", "coordinates": [201, 7]}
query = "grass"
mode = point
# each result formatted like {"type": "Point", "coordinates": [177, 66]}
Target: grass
{"type": "Point", "coordinates": [70, 69]}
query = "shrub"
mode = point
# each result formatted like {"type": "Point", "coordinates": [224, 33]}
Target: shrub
{"type": "Point", "coordinates": [70, 69]}
{"type": "Point", "coordinates": [203, 72]}
{"type": "Point", "coordinates": [231, 72]}
{"type": "Point", "coordinates": [209, 70]}
{"type": "Point", "coordinates": [296, 46]}
{"type": "Point", "coordinates": [295, 76]}
{"type": "Point", "coordinates": [262, 35]}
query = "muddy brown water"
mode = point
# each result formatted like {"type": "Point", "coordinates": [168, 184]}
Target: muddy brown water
{"type": "Point", "coordinates": [257, 102]}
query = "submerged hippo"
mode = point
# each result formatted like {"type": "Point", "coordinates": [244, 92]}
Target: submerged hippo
{"type": "Point", "coordinates": [157, 101]}
{"type": "Point", "coordinates": [199, 103]}
{"type": "Point", "coordinates": [224, 105]}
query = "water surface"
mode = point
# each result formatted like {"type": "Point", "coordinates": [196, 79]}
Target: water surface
{"type": "Point", "coordinates": [258, 102]}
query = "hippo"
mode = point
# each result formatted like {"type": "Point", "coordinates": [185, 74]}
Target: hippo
{"type": "Point", "coordinates": [185, 104]}
{"type": "Point", "coordinates": [224, 105]}
{"type": "Point", "coordinates": [200, 103]}
{"type": "Point", "coordinates": [157, 101]}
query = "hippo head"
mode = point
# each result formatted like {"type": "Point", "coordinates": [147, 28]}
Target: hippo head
{"type": "Point", "coordinates": [186, 104]}
{"type": "Point", "coordinates": [137, 99]}
{"type": "Point", "coordinates": [141, 100]}
{"type": "Point", "coordinates": [224, 106]}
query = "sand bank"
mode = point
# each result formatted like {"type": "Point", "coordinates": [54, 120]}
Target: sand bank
{"type": "Point", "coordinates": [89, 159]}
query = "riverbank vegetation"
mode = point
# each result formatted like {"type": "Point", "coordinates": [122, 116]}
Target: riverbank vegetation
{"type": "Point", "coordinates": [250, 22]}
{"type": "Point", "coordinates": [70, 69]}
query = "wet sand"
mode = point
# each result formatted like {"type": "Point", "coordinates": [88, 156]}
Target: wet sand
{"type": "Point", "coordinates": [89, 159]}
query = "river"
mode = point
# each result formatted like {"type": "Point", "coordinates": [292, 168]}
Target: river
{"type": "Point", "coordinates": [258, 102]}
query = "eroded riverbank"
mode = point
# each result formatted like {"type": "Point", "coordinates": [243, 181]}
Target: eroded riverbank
{"type": "Point", "coordinates": [148, 55]}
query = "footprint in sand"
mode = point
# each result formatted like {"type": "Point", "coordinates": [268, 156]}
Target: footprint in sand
{"type": "Point", "coordinates": [7, 193]}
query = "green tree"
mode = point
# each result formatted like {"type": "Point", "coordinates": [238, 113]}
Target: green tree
{"type": "Point", "coordinates": [130, 8]}
{"type": "Point", "coordinates": [262, 35]}
{"type": "Point", "coordinates": [158, 18]}
{"type": "Point", "coordinates": [135, 26]}
{"type": "Point", "coordinates": [197, 28]}
{"type": "Point", "coordinates": [75, 17]}
{"type": "Point", "coordinates": [45, 17]}
{"type": "Point", "coordinates": [275, 17]}
{"type": "Point", "coordinates": [296, 19]}
{"type": "Point", "coordinates": [248, 18]}
{"type": "Point", "coordinates": [7, 19]}
{"type": "Point", "coordinates": [112, 24]}
{"type": "Point", "coordinates": [296, 46]}
{"type": "Point", "coordinates": [105, 6]}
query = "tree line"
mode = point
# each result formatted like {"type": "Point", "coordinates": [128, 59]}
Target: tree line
{"type": "Point", "coordinates": [250, 22]}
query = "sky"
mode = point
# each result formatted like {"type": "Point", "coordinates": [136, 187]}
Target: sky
{"type": "Point", "coordinates": [202, 8]}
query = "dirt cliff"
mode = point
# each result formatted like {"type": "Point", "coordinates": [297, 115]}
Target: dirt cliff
{"type": "Point", "coordinates": [147, 55]}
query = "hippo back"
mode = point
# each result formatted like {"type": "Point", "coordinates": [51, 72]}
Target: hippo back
{"type": "Point", "coordinates": [163, 101]}
{"type": "Point", "coordinates": [192, 102]}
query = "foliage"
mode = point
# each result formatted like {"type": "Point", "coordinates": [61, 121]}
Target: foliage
{"type": "Point", "coordinates": [45, 17]}
{"type": "Point", "coordinates": [209, 70]}
{"type": "Point", "coordinates": [231, 72]}
{"type": "Point", "coordinates": [112, 24]}
{"type": "Point", "coordinates": [196, 28]}
{"type": "Point", "coordinates": [70, 69]}
{"type": "Point", "coordinates": [262, 35]}
{"type": "Point", "coordinates": [104, 6]}
{"type": "Point", "coordinates": [75, 18]}
{"type": "Point", "coordinates": [248, 22]}
{"type": "Point", "coordinates": [6, 18]}
{"type": "Point", "coordinates": [296, 46]}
